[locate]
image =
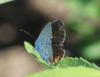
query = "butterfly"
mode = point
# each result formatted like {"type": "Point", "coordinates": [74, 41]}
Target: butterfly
{"type": "Point", "coordinates": [49, 44]}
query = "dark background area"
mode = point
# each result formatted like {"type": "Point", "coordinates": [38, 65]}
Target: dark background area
{"type": "Point", "coordinates": [19, 18]}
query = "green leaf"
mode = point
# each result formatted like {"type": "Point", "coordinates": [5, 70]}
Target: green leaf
{"type": "Point", "coordinates": [30, 49]}
{"type": "Point", "coordinates": [66, 62]}
{"type": "Point", "coordinates": [73, 62]}
{"type": "Point", "coordinates": [69, 72]}
{"type": "Point", "coordinates": [71, 67]}
{"type": "Point", "coordinates": [4, 1]}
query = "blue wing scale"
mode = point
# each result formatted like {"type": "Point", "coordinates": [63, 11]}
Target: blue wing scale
{"type": "Point", "coordinates": [43, 44]}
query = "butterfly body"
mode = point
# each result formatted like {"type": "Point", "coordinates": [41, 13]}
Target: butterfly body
{"type": "Point", "coordinates": [50, 42]}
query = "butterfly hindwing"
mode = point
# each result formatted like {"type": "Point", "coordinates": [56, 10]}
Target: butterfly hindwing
{"type": "Point", "coordinates": [58, 38]}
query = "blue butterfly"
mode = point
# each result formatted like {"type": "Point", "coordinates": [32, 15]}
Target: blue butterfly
{"type": "Point", "coordinates": [49, 44]}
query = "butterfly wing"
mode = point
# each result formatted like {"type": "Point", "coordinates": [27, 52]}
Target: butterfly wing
{"type": "Point", "coordinates": [58, 38]}
{"type": "Point", "coordinates": [43, 44]}
{"type": "Point", "coordinates": [30, 49]}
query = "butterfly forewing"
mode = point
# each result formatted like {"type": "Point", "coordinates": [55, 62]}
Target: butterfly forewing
{"type": "Point", "coordinates": [43, 44]}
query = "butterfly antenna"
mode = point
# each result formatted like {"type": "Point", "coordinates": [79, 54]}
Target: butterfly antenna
{"type": "Point", "coordinates": [22, 30]}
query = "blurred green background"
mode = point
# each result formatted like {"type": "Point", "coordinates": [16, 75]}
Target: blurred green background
{"type": "Point", "coordinates": [84, 28]}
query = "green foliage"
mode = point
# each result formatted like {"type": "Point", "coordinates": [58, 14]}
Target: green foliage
{"type": "Point", "coordinates": [92, 52]}
{"type": "Point", "coordinates": [66, 62]}
{"type": "Point", "coordinates": [4, 1]}
{"type": "Point", "coordinates": [85, 23]}
{"type": "Point", "coordinates": [84, 29]}
{"type": "Point", "coordinates": [69, 72]}
{"type": "Point", "coordinates": [67, 67]}
{"type": "Point", "coordinates": [74, 62]}
{"type": "Point", "coordinates": [30, 49]}
{"type": "Point", "coordinates": [91, 11]}
{"type": "Point", "coordinates": [71, 67]}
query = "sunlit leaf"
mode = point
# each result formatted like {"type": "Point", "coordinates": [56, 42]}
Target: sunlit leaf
{"type": "Point", "coordinates": [69, 72]}
{"type": "Point", "coordinates": [30, 49]}
{"type": "Point", "coordinates": [73, 62]}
